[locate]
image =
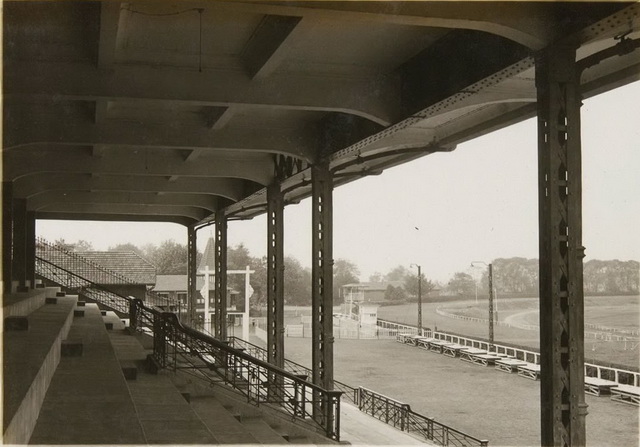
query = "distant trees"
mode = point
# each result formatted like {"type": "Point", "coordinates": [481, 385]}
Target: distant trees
{"type": "Point", "coordinates": [462, 284]}
{"type": "Point", "coordinates": [395, 294]}
{"type": "Point", "coordinates": [611, 277]}
{"type": "Point", "coordinates": [80, 245]}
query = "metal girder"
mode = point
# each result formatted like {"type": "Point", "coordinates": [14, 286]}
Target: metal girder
{"type": "Point", "coordinates": [74, 131]}
{"type": "Point", "coordinates": [209, 203]}
{"type": "Point", "coordinates": [138, 83]}
{"type": "Point", "coordinates": [20, 241]}
{"type": "Point", "coordinates": [322, 277]}
{"type": "Point", "coordinates": [7, 236]}
{"type": "Point", "coordinates": [116, 217]}
{"type": "Point", "coordinates": [220, 272]}
{"type": "Point", "coordinates": [18, 163]}
{"type": "Point", "coordinates": [30, 253]}
{"type": "Point", "coordinates": [124, 208]}
{"type": "Point", "coordinates": [563, 408]}
{"type": "Point", "coordinates": [39, 183]}
{"type": "Point", "coordinates": [192, 267]}
{"type": "Point", "coordinates": [275, 275]}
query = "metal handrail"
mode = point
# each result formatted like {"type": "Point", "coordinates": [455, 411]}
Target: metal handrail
{"type": "Point", "coordinates": [259, 381]}
{"type": "Point", "coordinates": [106, 276]}
{"type": "Point", "coordinates": [401, 416]}
{"type": "Point", "coordinates": [350, 392]}
{"type": "Point", "coordinates": [176, 345]}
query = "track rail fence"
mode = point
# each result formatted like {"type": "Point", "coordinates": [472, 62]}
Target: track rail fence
{"type": "Point", "coordinates": [400, 415]}
{"type": "Point", "coordinates": [607, 372]}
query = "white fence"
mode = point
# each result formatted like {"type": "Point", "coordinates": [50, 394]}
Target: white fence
{"type": "Point", "coordinates": [345, 328]}
{"type": "Point", "coordinates": [617, 375]}
{"type": "Point", "coordinates": [607, 334]}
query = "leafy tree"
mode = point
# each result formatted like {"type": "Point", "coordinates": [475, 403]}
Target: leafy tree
{"type": "Point", "coordinates": [411, 285]}
{"type": "Point", "coordinates": [127, 248]}
{"type": "Point", "coordinates": [170, 258]}
{"type": "Point", "coordinates": [397, 274]}
{"type": "Point", "coordinates": [80, 245]}
{"type": "Point", "coordinates": [462, 284]}
{"type": "Point", "coordinates": [395, 294]}
{"type": "Point", "coordinates": [376, 277]}
{"type": "Point", "coordinates": [344, 272]}
{"type": "Point", "coordinates": [297, 282]}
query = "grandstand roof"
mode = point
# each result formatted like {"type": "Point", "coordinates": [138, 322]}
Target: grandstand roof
{"type": "Point", "coordinates": [128, 264]}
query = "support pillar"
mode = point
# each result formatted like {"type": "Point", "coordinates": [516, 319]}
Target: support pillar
{"type": "Point", "coordinates": [275, 275]}
{"type": "Point", "coordinates": [7, 236]}
{"type": "Point", "coordinates": [221, 276]}
{"type": "Point", "coordinates": [563, 408]}
{"type": "Point", "coordinates": [192, 269]}
{"type": "Point", "coordinates": [20, 242]}
{"type": "Point", "coordinates": [31, 248]}
{"type": "Point", "coordinates": [322, 275]}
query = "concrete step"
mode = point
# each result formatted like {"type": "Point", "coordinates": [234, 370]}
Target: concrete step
{"type": "Point", "coordinates": [112, 321]}
{"type": "Point", "coordinates": [22, 304]}
{"type": "Point", "coordinates": [162, 411]}
{"type": "Point", "coordinates": [30, 359]}
{"type": "Point", "coordinates": [88, 401]}
{"type": "Point", "coordinates": [262, 431]}
{"type": "Point", "coordinates": [224, 424]}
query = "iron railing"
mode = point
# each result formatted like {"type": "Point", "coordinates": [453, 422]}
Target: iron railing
{"type": "Point", "coordinates": [179, 347]}
{"type": "Point", "coordinates": [78, 284]}
{"type": "Point", "coordinates": [94, 272]}
{"type": "Point", "coordinates": [400, 415]}
{"type": "Point", "coordinates": [349, 392]}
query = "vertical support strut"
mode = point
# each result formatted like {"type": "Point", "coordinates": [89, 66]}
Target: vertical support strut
{"type": "Point", "coordinates": [275, 275]}
{"type": "Point", "coordinates": [490, 306]}
{"type": "Point", "coordinates": [221, 276]}
{"type": "Point", "coordinates": [7, 236]}
{"type": "Point", "coordinates": [563, 408]}
{"type": "Point", "coordinates": [30, 255]}
{"type": "Point", "coordinates": [192, 270]}
{"type": "Point", "coordinates": [20, 242]}
{"type": "Point", "coordinates": [322, 280]}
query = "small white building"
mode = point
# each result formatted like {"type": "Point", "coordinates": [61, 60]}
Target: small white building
{"type": "Point", "coordinates": [367, 314]}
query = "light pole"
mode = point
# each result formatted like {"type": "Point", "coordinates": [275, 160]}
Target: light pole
{"type": "Point", "coordinates": [419, 298]}
{"type": "Point", "coordinates": [490, 266]}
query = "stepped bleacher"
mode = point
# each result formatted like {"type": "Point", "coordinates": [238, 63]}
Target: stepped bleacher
{"type": "Point", "coordinates": [77, 372]}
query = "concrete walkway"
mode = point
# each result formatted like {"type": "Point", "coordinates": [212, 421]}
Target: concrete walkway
{"type": "Point", "coordinates": [359, 428]}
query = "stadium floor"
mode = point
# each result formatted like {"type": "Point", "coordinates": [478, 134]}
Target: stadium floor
{"type": "Point", "coordinates": [503, 408]}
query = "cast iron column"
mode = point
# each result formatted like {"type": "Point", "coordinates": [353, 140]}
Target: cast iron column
{"type": "Point", "coordinates": [20, 242]}
{"type": "Point", "coordinates": [192, 269]}
{"type": "Point", "coordinates": [322, 281]}
{"type": "Point", "coordinates": [275, 275]}
{"type": "Point", "coordinates": [31, 249]}
{"type": "Point", "coordinates": [220, 272]}
{"type": "Point", "coordinates": [563, 408]}
{"type": "Point", "coordinates": [7, 236]}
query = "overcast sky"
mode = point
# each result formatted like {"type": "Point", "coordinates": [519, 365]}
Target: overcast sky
{"type": "Point", "coordinates": [446, 210]}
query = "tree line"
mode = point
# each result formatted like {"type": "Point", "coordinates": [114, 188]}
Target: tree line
{"type": "Point", "coordinates": [511, 276]}
{"type": "Point", "coordinates": [519, 276]}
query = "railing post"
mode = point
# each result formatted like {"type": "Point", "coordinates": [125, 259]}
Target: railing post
{"type": "Point", "coordinates": [159, 340]}
{"type": "Point", "coordinates": [133, 314]}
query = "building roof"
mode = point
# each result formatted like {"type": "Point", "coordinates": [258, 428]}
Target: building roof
{"type": "Point", "coordinates": [128, 264]}
{"type": "Point", "coordinates": [208, 258]}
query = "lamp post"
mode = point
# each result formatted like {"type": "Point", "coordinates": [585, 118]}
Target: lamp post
{"type": "Point", "coordinates": [490, 266]}
{"type": "Point", "coordinates": [419, 298]}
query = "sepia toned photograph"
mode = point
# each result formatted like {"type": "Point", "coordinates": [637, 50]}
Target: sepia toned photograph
{"type": "Point", "coordinates": [256, 222]}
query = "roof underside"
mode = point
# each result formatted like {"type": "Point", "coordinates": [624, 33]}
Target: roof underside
{"type": "Point", "coordinates": [174, 111]}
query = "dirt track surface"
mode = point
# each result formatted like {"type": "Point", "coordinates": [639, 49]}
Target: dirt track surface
{"type": "Point", "coordinates": [503, 408]}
